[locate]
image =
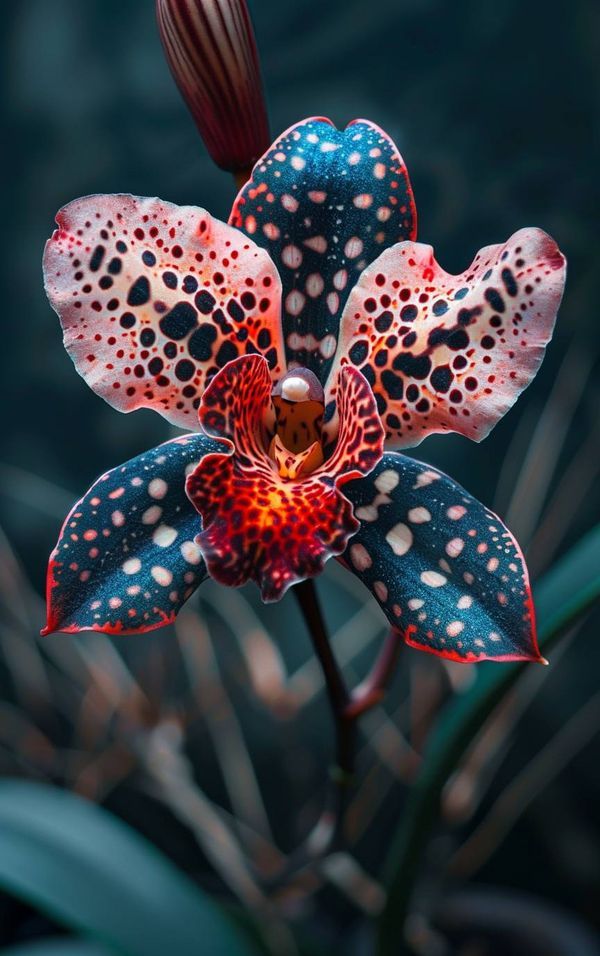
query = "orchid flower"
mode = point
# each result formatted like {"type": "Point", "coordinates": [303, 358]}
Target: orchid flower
{"type": "Point", "coordinates": [300, 346]}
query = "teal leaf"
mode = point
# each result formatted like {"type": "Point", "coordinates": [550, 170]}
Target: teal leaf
{"type": "Point", "coordinates": [91, 872]}
{"type": "Point", "coordinates": [58, 946]}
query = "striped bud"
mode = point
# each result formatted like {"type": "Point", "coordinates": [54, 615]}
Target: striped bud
{"type": "Point", "coordinates": [211, 50]}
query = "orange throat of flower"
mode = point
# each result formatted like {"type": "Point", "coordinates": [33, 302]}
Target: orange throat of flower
{"type": "Point", "coordinates": [298, 406]}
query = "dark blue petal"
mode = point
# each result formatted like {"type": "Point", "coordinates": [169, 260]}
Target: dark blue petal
{"type": "Point", "coordinates": [443, 567]}
{"type": "Point", "coordinates": [324, 203]}
{"type": "Point", "coordinates": [126, 560]}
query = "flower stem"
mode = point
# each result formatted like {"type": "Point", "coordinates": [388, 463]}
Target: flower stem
{"type": "Point", "coordinates": [339, 698]}
{"type": "Point", "coordinates": [346, 708]}
{"type": "Point", "coordinates": [372, 690]}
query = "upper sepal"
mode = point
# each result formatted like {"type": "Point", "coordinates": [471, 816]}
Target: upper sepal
{"type": "Point", "coordinates": [126, 559]}
{"type": "Point", "coordinates": [443, 567]}
{"type": "Point", "coordinates": [324, 203]}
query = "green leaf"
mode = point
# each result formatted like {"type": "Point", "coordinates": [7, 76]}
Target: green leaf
{"type": "Point", "coordinates": [564, 594]}
{"type": "Point", "coordinates": [91, 872]}
{"type": "Point", "coordinates": [57, 946]}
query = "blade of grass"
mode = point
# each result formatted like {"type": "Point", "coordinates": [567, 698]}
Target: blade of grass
{"type": "Point", "coordinates": [264, 662]}
{"type": "Point", "coordinates": [577, 481]}
{"type": "Point", "coordinates": [573, 736]}
{"type": "Point", "coordinates": [569, 589]}
{"type": "Point", "coordinates": [170, 776]}
{"type": "Point", "coordinates": [547, 442]}
{"type": "Point", "coordinates": [225, 730]}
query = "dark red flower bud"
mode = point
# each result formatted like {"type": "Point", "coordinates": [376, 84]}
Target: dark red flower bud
{"type": "Point", "coordinates": [211, 49]}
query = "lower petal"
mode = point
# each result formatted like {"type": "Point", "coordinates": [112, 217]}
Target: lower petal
{"type": "Point", "coordinates": [259, 527]}
{"type": "Point", "coordinates": [126, 559]}
{"type": "Point", "coordinates": [444, 568]}
{"type": "Point", "coordinates": [260, 523]}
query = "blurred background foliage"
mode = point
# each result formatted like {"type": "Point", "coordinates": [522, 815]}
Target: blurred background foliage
{"type": "Point", "coordinates": [212, 738]}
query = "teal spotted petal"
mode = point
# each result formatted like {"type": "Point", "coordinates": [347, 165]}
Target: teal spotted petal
{"type": "Point", "coordinates": [126, 559]}
{"type": "Point", "coordinates": [324, 203]}
{"type": "Point", "coordinates": [446, 571]}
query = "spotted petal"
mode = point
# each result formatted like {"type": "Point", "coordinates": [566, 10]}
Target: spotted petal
{"type": "Point", "coordinates": [442, 566]}
{"type": "Point", "coordinates": [451, 353]}
{"type": "Point", "coordinates": [154, 298]}
{"type": "Point", "coordinates": [324, 203]}
{"type": "Point", "coordinates": [257, 525]}
{"type": "Point", "coordinates": [126, 560]}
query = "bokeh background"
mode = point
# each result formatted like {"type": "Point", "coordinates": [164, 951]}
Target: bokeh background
{"type": "Point", "coordinates": [495, 109]}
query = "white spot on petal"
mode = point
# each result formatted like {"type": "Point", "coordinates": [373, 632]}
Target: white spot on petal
{"type": "Point", "coordinates": [353, 247]}
{"type": "Point", "coordinates": [316, 243]}
{"type": "Point", "coordinates": [367, 513]}
{"type": "Point", "coordinates": [415, 603]}
{"type": "Point", "coordinates": [158, 488]}
{"type": "Point", "coordinates": [419, 515]}
{"type": "Point", "coordinates": [314, 284]}
{"type": "Point", "coordinates": [340, 279]}
{"type": "Point", "coordinates": [425, 478]}
{"type": "Point", "coordinates": [456, 512]}
{"type": "Point", "coordinates": [191, 552]}
{"type": "Point", "coordinates": [454, 547]}
{"type": "Point", "coordinates": [328, 346]}
{"type": "Point", "coordinates": [271, 231]}
{"type": "Point", "coordinates": [151, 515]}
{"type": "Point", "coordinates": [400, 539]}
{"type": "Point", "coordinates": [161, 575]}
{"type": "Point", "coordinates": [360, 557]}
{"type": "Point", "coordinates": [291, 256]}
{"type": "Point", "coordinates": [288, 202]}
{"type": "Point", "coordinates": [454, 628]}
{"type": "Point", "coordinates": [333, 302]}
{"type": "Point", "coordinates": [294, 302]}
{"type": "Point", "coordinates": [132, 566]}
{"type": "Point", "coordinates": [164, 536]}
{"type": "Point", "coordinates": [433, 579]}
{"type": "Point", "coordinates": [387, 480]}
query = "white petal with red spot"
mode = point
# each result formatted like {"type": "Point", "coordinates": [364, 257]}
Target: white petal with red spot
{"type": "Point", "coordinates": [450, 352]}
{"type": "Point", "coordinates": [153, 298]}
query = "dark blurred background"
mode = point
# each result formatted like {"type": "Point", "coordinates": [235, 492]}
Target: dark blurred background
{"type": "Point", "coordinates": [495, 109]}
